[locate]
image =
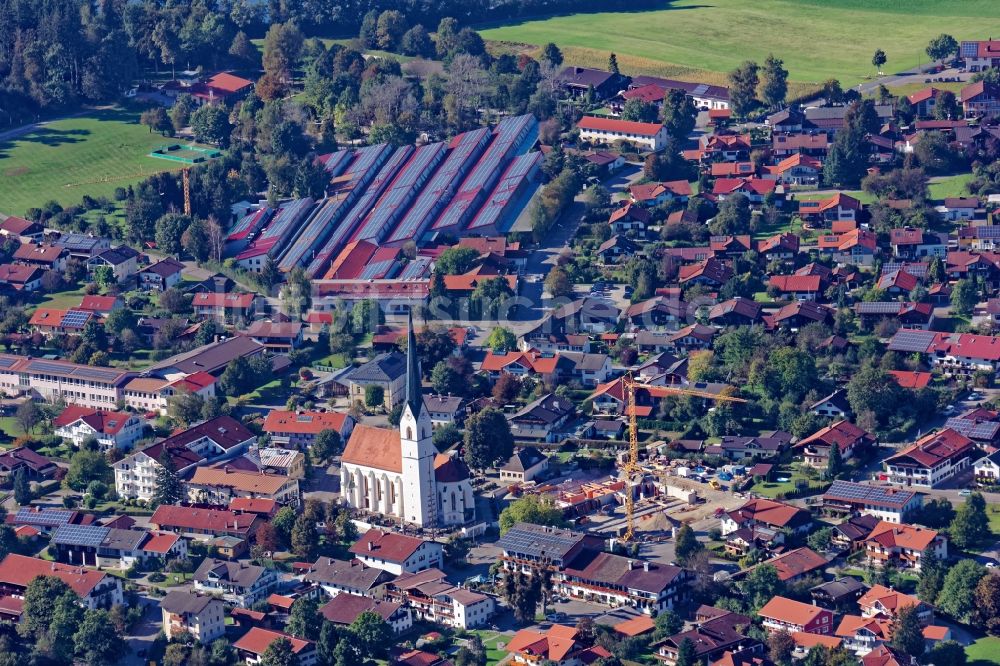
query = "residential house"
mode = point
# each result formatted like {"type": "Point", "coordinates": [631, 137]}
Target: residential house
{"type": "Point", "coordinates": [160, 276]}
{"type": "Point", "coordinates": [608, 131]}
{"type": "Point", "coordinates": [796, 169]}
{"type": "Point", "coordinates": [714, 632]}
{"type": "Point", "coordinates": [789, 145]}
{"type": "Point", "coordinates": [987, 469]}
{"type": "Point", "coordinates": [102, 546]}
{"type": "Point", "coordinates": [660, 193]}
{"type": "Point", "coordinates": [711, 273]}
{"type": "Point", "coordinates": [924, 100]}
{"type": "Point", "coordinates": [834, 406]}
{"type": "Point", "coordinates": [904, 545]}
{"type": "Point", "coordinates": [387, 371]}
{"type": "Point", "coordinates": [754, 189]}
{"type": "Point", "coordinates": [23, 230]}
{"type": "Point", "coordinates": [656, 312]}
{"type": "Point", "coordinates": [83, 246]}
{"type": "Point", "coordinates": [885, 503]}
{"type": "Point", "coordinates": [981, 99]}
{"type": "Point", "coordinates": [931, 460]}
{"type": "Point", "coordinates": [19, 278]}
{"type": "Point", "coordinates": [797, 314]}
{"type": "Point", "coordinates": [910, 243]}
{"type": "Point", "coordinates": [557, 644]}
{"type": "Point", "coordinates": [431, 597]}
{"type": "Point", "coordinates": [153, 394]}
{"type": "Point", "coordinates": [542, 418]}
{"type": "Point", "coordinates": [838, 593]}
{"type": "Point", "coordinates": [250, 648]}
{"type": "Point", "coordinates": [630, 217]}
{"type": "Point", "coordinates": [397, 553]}
{"type": "Point", "coordinates": [764, 446]}
{"type": "Point", "coordinates": [795, 565]}
{"type": "Point", "coordinates": [219, 486]}
{"type": "Point", "coordinates": [881, 601]}
{"type": "Point", "coordinates": [231, 308]}
{"type": "Point", "coordinates": [527, 464]}
{"type": "Point", "coordinates": [850, 535]}
{"type": "Point", "coordinates": [737, 311]}
{"type": "Point", "coordinates": [616, 247]}
{"type": "Point", "coordinates": [217, 439]}
{"type": "Point", "coordinates": [343, 609]}
{"type": "Point", "coordinates": [50, 321]}
{"type": "Point", "coordinates": [238, 583]}
{"type": "Point", "coordinates": [112, 430]}
{"type": "Point", "coordinates": [277, 337]}
{"type": "Point", "coordinates": [798, 287]}
{"type": "Point", "coordinates": [857, 247]}
{"type": "Point", "coordinates": [783, 614]}
{"type": "Point", "coordinates": [767, 513]}
{"type": "Point", "coordinates": [200, 616]}
{"type": "Point", "coordinates": [839, 207]}
{"type": "Point", "coordinates": [95, 589]}
{"type": "Point", "coordinates": [45, 257]}
{"type": "Point", "coordinates": [580, 81]}
{"type": "Point", "coordinates": [299, 429]}
{"type": "Point", "coordinates": [353, 577]}
{"type": "Point", "coordinates": [581, 570]}
{"type": "Point", "coordinates": [846, 436]}
{"type": "Point", "coordinates": [445, 410]}
{"type": "Point", "coordinates": [588, 370]}
{"type": "Point", "coordinates": [22, 459]}
{"type": "Point", "coordinates": [199, 522]}
{"type": "Point", "coordinates": [863, 634]}
{"type": "Point", "coordinates": [122, 261]}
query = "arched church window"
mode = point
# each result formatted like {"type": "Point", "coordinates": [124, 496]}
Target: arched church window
{"type": "Point", "coordinates": [409, 433]}
{"type": "Point", "coordinates": [453, 500]}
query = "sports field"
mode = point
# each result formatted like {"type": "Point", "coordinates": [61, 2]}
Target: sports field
{"type": "Point", "coordinates": [66, 159]}
{"type": "Point", "coordinates": [817, 39]}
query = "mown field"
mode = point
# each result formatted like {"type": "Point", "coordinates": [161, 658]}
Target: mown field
{"type": "Point", "coordinates": [64, 160]}
{"type": "Point", "coordinates": [817, 39]}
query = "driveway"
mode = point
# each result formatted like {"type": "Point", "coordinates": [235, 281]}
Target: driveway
{"type": "Point", "coordinates": [141, 638]}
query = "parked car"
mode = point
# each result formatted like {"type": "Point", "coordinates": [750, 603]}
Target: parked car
{"type": "Point", "coordinates": [556, 617]}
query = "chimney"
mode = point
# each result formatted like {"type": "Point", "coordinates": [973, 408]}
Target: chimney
{"type": "Point", "coordinates": [645, 566]}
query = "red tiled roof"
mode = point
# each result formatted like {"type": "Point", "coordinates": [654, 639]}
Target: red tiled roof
{"type": "Point", "coordinates": [280, 420]}
{"type": "Point", "coordinates": [240, 301]}
{"type": "Point", "coordinates": [96, 303]}
{"type": "Point", "coordinates": [19, 570]}
{"type": "Point", "coordinates": [160, 542]}
{"type": "Point", "coordinates": [388, 546]}
{"type": "Point", "coordinates": [257, 640]}
{"type": "Point", "coordinates": [622, 126]}
{"type": "Point", "coordinates": [793, 612]}
{"type": "Point", "coordinates": [109, 423]}
{"type": "Point", "coordinates": [911, 379]}
{"type": "Point", "coordinates": [795, 283]}
{"type": "Point", "coordinates": [378, 448]}
{"type": "Point", "coordinates": [754, 185]}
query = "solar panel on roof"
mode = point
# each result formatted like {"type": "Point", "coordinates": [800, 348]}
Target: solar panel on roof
{"type": "Point", "coordinates": [81, 535]}
{"type": "Point", "coordinates": [49, 517]}
{"type": "Point", "coordinates": [911, 341]}
{"type": "Point", "coordinates": [74, 319]}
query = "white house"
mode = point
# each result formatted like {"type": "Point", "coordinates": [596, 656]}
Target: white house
{"type": "Point", "coordinates": [201, 616]}
{"type": "Point", "coordinates": [397, 553]}
{"type": "Point", "coordinates": [648, 136]}
{"type": "Point", "coordinates": [112, 430]}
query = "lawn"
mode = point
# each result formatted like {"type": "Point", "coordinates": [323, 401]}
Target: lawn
{"type": "Point", "coordinates": [993, 511]}
{"type": "Point", "coordinates": [490, 640]}
{"type": "Point", "coordinates": [66, 159]}
{"type": "Point", "coordinates": [984, 652]}
{"type": "Point", "coordinates": [772, 489]}
{"type": "Point", "coordinates": [950, 186]}
{"type": "Point", "coordinates": [10, 426]}
{"type": "Point", "coordinates": [817, 39]}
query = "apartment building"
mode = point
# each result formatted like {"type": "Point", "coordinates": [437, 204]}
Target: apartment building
{"type": "Point", "coordinates": [186, 613]}
{"type": "Point", "coordinates": [430, 596]}
{"type": "Point", "coordinates": [783, 614]}
{"type": "Point", "coordinates": [931, 460]}
{"type": "Point", "coordinates": [219, 486]}
{"type": "Point", "coordinates": [73, 383]}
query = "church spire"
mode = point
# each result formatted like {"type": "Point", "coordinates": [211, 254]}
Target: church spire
{"type": "Point", "coordinates": [414, 396]}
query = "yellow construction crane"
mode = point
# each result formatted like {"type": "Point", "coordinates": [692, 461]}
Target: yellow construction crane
{"type": "Point", "coordinates": [630, 466]}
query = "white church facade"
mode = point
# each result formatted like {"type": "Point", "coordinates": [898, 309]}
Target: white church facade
{"type": "Point", "coordinates": [399, 473]}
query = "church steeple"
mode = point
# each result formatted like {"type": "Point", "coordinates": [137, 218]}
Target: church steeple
{"type": "Point", "coordinates": [414, 395]}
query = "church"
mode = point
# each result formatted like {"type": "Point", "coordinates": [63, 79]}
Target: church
{"type": "Point", "coordinates": [399, 473]}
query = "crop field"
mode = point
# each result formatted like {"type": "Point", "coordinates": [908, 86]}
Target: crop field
{"type": "Point", "coordinates": [91, 154]}
{"type": "Point", "coordinates": [695, 40]}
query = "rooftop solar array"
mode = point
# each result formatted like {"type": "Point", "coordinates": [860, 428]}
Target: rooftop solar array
{"type": "Point", "coordinates": [916, 269]}
{"type": "Point", "coordinates": [44, 517]}
{"type": "Point", "coordinates": [366, 201]}
{"type": "Point", "coordinates": [90, 536]}
{"type": "Point", "coordinates": [249, 224]}
{"type": "Point", "coordinates": [277, 233]}
{"type": "Point", "coordinates": [337, 162]}
{"type": "Point", "coordinates": [7, 361]}
{"type": "Point", "coordinates": [877, 307]}
{"type": "Point", "coordinates": [362, 171]}
{"type": "Point", "coordinates": [858, 492]}
{"type": "Point", "coordinates": [912, 341]}
{"type": "Point", "coordinates": [980, 430]}
{"type": "Point", "coordinates": [510, 134]}
{"type": "Point", "coordinates": [106, 375]}
{"type": "Point", "coordinates": [75, 319]}
{"type": "Point", "coordinates": [507, 191]}
{"type": "Point", "coordinates": [313, 233]}
{"type": "Point", "coordinates": [418, 268]}
{"type": "Point", "coordinates": [539, 541]}
{"type": "Point", "coordinates": [401, 192]}
{"type": "Point", "coordinates": [465, 150]}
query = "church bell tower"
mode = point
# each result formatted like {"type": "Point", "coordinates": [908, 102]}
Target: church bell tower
{"type": "Point", "coordinates": [417, 445]}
